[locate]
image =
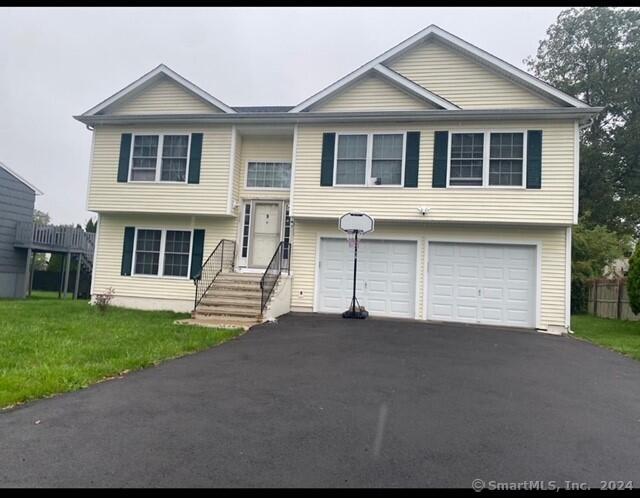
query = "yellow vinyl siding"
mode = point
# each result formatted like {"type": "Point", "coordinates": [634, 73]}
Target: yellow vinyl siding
{"type": "Point", "coordinates": [163, 97]}
{"type": "Point", "coordinates": [552, 240]}
{"type": "Point", "coordinates": [551, 204]}
{"type": "Point", "coordinates": [207, 197]}
{"type": "Point", "coordinates": [106, 272]}
{"type": "Point", "coordinates": [263, 148]}
{"type": "Point", "coordinates": [372, 94]}
{"type": "Point", "coordinates": [461, 80]}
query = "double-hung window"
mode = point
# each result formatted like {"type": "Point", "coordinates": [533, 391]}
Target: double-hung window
{"type": "Point", "coordinates": [162, 252]}
{"type": "Point", "coordinates": [481, 159]}
{"type": "Point", "coordinates": [261, 174]}
{"type": "Point", "coordinates": [370, 159]}
{"type": "Point", "coordinates": [159, 158]}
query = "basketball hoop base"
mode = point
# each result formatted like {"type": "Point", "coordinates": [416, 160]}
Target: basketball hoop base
{"type": "Point", "coordinates": [361, 314]}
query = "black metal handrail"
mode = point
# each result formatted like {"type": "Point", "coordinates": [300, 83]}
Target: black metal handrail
{"type": "Point", "coordinates": [279, 263]}
{"type": "Point", "coordinates": [212, 267]}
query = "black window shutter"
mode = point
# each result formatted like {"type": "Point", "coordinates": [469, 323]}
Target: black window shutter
{"type": "Point", "coordinates": [328, 154]}
{"type": "Point", "coordinates": [440, 146]}
{"type": "Point", "coordinates": [197, 252]}
{"type": "Point", "coordinates": [534, 159]}
{"type": "Point", "coordinates": [127, 250]}
{"type": "Point", "coordinates": [195, 156]}
{"type": "Point", "coordinates": [412, 159]}
{"type": "Point", "coordinates": [125, 153]}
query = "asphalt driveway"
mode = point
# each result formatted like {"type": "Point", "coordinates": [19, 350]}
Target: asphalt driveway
{"type": "Point", "coordinates": [320, 401]}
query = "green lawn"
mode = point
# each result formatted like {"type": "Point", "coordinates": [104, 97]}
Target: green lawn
{"type": "Point", "coordinates": [620, 335]}
{"type": "Point", "coordinates": [49, 346]}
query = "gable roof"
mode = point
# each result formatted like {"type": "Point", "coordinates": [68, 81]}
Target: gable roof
{"type": "Point", "coordinates": [397, 81]}
{"type": "Point", "coordinates": [433, 31]}
{"type": "Point", "coordinates": [20, 179]}
{"type": "Point", "coordinates": [151, 77]}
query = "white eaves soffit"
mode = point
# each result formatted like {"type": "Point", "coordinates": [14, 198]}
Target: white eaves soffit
{"type": "Point", "coordinates": [149, 79]}
{"type": "Point", "coordinates": [434, 32]}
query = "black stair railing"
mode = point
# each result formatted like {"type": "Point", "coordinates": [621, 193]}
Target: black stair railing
{"type": "Point", "coordinates": [279, 263]}
{"type": "Point", "coordinates": [222, 257]}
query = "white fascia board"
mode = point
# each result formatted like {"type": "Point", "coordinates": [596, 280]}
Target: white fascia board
{"type": "Point", "coordinates": [20, 179]}
{"type": "Point", "coordinates": [414, 88]}
{"type": "Point", "coordinates": [433, 30]}
{"type": "Point", "coordinates": [161, 69]}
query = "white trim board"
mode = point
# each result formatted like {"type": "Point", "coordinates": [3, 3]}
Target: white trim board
{"type": "Point", "coordinates": [22, 180]}
{"type": "Point", "coordinates": [434, 31]}
{"type": "Point", "coordinates": [149, 78]}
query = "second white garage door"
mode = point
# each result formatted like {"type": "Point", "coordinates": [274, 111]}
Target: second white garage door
{"type": "Point", "coordinates": [386, 283]}
{"type": "Point", "coordinates": [482, 283]}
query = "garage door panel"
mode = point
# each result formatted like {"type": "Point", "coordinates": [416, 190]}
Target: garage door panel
{"type": "Point", "coordinates": [481, 283]}
{"type": "Point", "coordinates": [387, 266]}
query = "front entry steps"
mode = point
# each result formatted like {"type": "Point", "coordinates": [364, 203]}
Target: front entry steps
{"type": "Point", "coordinates": [232, 301]}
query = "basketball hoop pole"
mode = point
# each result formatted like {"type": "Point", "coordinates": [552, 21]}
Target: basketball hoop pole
{"type": "Point", "coordinates": [354, 310]}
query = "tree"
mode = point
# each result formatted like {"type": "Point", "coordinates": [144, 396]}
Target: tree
{"type": "Point", "coordinates": [41, 218]}
{"type": "Point", "coordinates": [633, 280]}
{"type": "Point", "coordinates": [592, 249]}
{"type": "Point", "coordinates": [90, 227]}
{"type": "Point", "coordinates": [594, 54]}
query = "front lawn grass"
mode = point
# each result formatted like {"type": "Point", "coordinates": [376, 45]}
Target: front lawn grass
{"type": "Point", "coordinates": [620, 335]}
{"type": "Point", "coordinates": [50, 346]}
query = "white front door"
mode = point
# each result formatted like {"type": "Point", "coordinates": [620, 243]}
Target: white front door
{"type": "Point", "coordinates": [266, 230]}
{"type": "Point", "coordinates": [386, 281]}
{"type": "Point", "coordinates": [492, 284]}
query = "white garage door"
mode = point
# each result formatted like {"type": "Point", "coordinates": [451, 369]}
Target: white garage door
{"type": "Point", "coordinates": [482, 283]}
{"type": "Point", "coordinates": [386, 282]}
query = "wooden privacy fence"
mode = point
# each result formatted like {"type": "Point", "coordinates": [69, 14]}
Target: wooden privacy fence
{"type": "Point", "coordinates": [608, 298]}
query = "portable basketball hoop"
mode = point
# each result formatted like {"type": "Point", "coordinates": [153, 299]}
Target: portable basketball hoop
{"type": "Point", "coordinates": [355, 225]}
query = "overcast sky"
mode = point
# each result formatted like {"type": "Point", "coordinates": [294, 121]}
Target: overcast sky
{"type": "Point", "coordinates": [59, 62]}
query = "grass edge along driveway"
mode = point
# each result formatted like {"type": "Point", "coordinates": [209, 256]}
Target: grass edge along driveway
{"type": "Point", "coordinates": [622, 336]}
{"type": "Point", "coordinates": [50, 346]}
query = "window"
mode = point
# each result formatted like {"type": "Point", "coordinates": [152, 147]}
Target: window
{"type": "Point", "coordinates": [371, 159]}
{"type": "Point", "coordinates": [466, 158]}
{"type": "Point", "coordinates": [268, 175]}
{"type": "Point", "coordinates": [352, 160]}
{"type": "Point", "coordinates": [176, 253]}
{"type": "Point", "coordinates": [166, 250]}
{"type": "Point", "coordinates": [506, 159]}
{"type": "Point", "coordinates": [174, 158]}
{"type": "Point", "coordinates": [483, 159]}
{"type": "Point", "coordinates": [148, 252]}
{"type": "Point", "coordinates": [144, 158]}
{"type": "Point", "coordinates": [148, 165]}
{"type": "Point", "coordinates": [386, 159]}
{"type": "Point", "coordinates": [246, 225]}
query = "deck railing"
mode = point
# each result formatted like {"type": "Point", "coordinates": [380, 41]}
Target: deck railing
{"type": "Point", "coordinates": [55, 237]}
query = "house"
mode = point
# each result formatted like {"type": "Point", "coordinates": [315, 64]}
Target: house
{"type": "Point", "coordinates": [468, 165]}
{"type": "Point", "coordinates": [17, 199]}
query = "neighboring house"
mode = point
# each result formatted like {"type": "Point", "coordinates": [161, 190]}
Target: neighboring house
{"type": "Point", "coordinates": [490, 151]}
{"type": "Point", "coordinates": [17, 200]}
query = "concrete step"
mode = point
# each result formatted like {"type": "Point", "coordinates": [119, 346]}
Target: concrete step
{"type": "Point", "coordinates": [232, 301]}
{"type": "Point", "coordinates": [222, 321]}
{"type": "Point", "coordinates": [216, 292]}
{"type": "Point", "coordinates": [239, 276]}
{"type": "Point", "coordinates": [240, 311]}
{"type": "Point", "coordinates": [235, 286]}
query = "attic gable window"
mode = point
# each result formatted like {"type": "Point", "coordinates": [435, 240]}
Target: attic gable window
{"type": "Point", "coordinates": [159, 158]}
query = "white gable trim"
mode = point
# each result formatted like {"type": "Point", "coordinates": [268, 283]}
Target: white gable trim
{"type": "Point", "coordinates": [20, 179]}
{"type": "Point", "coordinates": [414, 88]}
{"type": "Point", "coordinates": [160, 70]}
{"type": "Point", "coordinates": [433, 30]}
